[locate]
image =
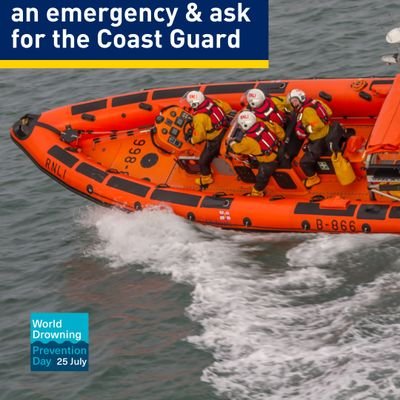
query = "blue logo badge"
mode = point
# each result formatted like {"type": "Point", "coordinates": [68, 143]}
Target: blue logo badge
{"type": "Point", "coordinates": [59, 342]}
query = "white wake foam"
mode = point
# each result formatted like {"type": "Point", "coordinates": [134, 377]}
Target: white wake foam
{"type": "Point", "coordinates": [324, 249]}
{"type": "Point", "coordinates": [269, 341]}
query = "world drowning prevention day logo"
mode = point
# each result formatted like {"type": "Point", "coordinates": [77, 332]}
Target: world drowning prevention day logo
{"type": "Point", "coordinates": [59, 342]}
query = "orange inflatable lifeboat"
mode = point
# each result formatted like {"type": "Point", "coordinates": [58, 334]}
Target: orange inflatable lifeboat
{"type": "Point", "coordinates": [128, 151]}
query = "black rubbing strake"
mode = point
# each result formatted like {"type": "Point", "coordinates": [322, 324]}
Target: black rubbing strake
{"type": "Point", "coordinates": [216, 202]}
{"type": "Point", "coordinates": [230, 88]}
{"type": "Point", "coordinates": [380, 82]}
{"type": "Point", "coordinates": [314, 209]}
{"type": "Point", "coordinates": [170, 93]}
{"type": "Point", "coordinates": [128, 99]}
{"type": "Point", "coordinates": [128, 186]}
{"type": "Point", "coordinates": [272, 87]}
{"type": "Point", "coordinates": [88, 107]}
{"type": "Point", "coordinates": [176, 197]}
{"type": "Point", "coordinates": [372, 211]}
{"type": "Point", "coordinates": [91, 172]}
{"type": "Point", "coordinates": [61, 155]}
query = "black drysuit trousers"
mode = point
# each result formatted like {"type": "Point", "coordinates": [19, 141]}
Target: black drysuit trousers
{"type": "Point", "coordinates": [315, 149]}
{"type": "Point", "coordinates": [211, 150]}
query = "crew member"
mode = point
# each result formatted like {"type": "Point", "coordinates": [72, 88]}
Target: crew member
{"type": "Point", "coordinates": [259, 142]}
{"type": "Point", "coordinates": [275, 111]}
{"type": "Point", "coordinates": [267, 108]}
{"type": "Point", "coordinates": [313, 123]}
{"type": "Point", "coordinates": [210, 121]}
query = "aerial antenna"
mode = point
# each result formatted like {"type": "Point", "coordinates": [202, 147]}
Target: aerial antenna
{"type": "Point", "coordinates": [392, 37]}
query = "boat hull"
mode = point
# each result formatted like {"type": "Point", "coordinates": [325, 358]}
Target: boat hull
{"type": "Point", "coordinates": [118, 124]}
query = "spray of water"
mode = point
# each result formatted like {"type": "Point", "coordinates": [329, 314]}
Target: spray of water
{"type": "Point", "coordinates": [273, 335]}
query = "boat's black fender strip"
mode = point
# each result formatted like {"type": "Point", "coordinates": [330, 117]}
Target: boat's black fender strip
{"type": "Point", "coordinates": [92, 172]}
{"type": "Point", "coordinates": [272, 87]}
{"type": "Point", "coordinates": [216, 202]}
{"type": "Point", "coordinates": [88, 107]}
{"type": "Point", "coordinates": [176, 197]}
{"type": "Point", "coordinates": [129, 99]}
{"type": "Point", "coordinates": [315, 209]}
{"type": "Point", "coordinates": [372, 211]}
{"type": "Point", "coordinates": [64, 156]}
{"type": "Point", "coordinates": [128, 186]}
{"type": "Point", "coordinates": [230, 88]}
{"type": "Point", "coordinates": [173, 93]}
{"type": "Point", "coordinates": [381, 82]}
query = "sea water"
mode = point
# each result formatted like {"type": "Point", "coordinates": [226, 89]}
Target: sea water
{"type": "Point", "coordinates": [181, 311]}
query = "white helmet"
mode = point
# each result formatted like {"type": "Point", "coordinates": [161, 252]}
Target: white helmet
{"type": "Point", "coordinates": [194, 98]}
{"type": "Point", "coordinates": [255, 97]}
{"type": "Point", "coordinates": [246, 119]}
{"type": "Point", "coordinates": [296, 94]}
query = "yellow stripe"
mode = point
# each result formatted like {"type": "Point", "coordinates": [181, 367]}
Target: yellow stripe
{"type": "Point", "coordinates": [134, 64]}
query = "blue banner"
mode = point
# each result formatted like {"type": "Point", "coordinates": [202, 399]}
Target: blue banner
{"type": "Point", "coordinates": [167, 33]}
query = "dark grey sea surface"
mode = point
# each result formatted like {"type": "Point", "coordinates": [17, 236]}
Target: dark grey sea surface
{"type": "Point", "coordinates": [179, 311]}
